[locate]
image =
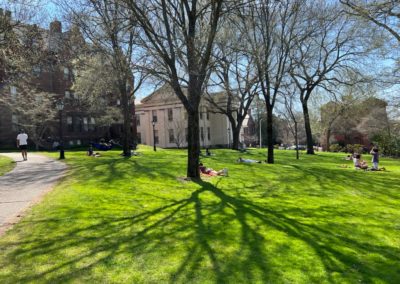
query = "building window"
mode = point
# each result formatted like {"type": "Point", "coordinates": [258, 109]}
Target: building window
{"type": "Point", "coordinates": [14, 120]}
{"type": "Point", "coordinates": [201, 115]}
{"type": "Point", "coordinates": [170, 114]}
{"type": "Point", "coordinates": [92, 124]}
{"type": "Point", "coordinates": [70, 126]}
{"type": "Point", "coordinates": [208, 133]}
{"type": "Point", "coordinates": [138, 120]}
{"type": "Point", "coordinates": [66, 75]}
{"type": "Point", "coordinates": [36, 70]}
{"type": "Point", "coordinates": [67, 94]}
{"type": "Point", "coordinates": [13, 92]}
{"type": "Point", "coordinates": [78, 142]}
{"type": "Point", "coordinates": [78, 124]}
{"type": "Point", "coordinates": [39, 99]}
{"type": "Point", "coordinates": [171, 135]}
{"type": "Point", "coordinates": [156, 136]}
{"type": "Point", "coordinates": [208, 115]}
{"type": "Point", "coordinates": [201, 134]}
{"type": "Point", "coordinates": [139, 138]}
{"type": "Point", "coordinates": [118, 102]}
{"type": "Point", "coordinates": [154, 113]}
{"type": "Point", "coordinates": [71, 142]}
{"type": "Point", "coordinates": [85, 124]}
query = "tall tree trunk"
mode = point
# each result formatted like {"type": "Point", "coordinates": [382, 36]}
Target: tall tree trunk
{"type": "Point", "coordinates": [235, 137]}
{"type": "Point", "coordinates": [307, 124]}
{"type": "Point", "coordinates": [235, 126]}
{"type": "Point", "coordinates": [127, 122]}
{"type": "Point", "coordinates": [193, 144]}
{"type": "Point", "coordinates": [327, 138]}
{"type": "Point", "coordinates": [270, 136]}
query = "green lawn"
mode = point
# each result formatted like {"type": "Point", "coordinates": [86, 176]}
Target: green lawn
{"type": "Point", "coordinates": [6, 165]}
{"type": "Point", "coordinates": [116, 220]}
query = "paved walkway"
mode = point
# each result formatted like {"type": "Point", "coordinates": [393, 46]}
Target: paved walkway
{"type": "Point", "coordinates": [25, 185]}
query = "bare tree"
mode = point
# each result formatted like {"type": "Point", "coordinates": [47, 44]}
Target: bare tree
{"type": "Point", "coordinates": [270, 28]}
{"type": "Point", "coordinates": [327, 52]}
{"type": "Point", "coordinates": [180, 35]}
{"type": "Point", "coordinates": [14, 14]}
{"type": "Point", "coordinates": [106, 27]}
{"type": "Point", "coordinates": [383, 13]}
{"type": "Point", "coordinates": [234, 72]}
{"type": "Point", "coordinates": [291, 116]}
{"type": "Point", "coordinates": [179, 132]}
{"type": "Point", "coordinates": [385, 16]}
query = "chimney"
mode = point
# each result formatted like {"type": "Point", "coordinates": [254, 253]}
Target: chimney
{"type": "Point", "coordinates": [8, 15]}
{"type": "Point", "coordinates": [55, 36]}
{"type": "Point", "coordinates": [55, 27]}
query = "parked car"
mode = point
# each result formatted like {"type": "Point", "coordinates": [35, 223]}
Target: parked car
{"type": "Point", "coordinates": [293, 147]}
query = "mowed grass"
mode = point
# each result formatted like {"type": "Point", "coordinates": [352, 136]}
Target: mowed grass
{"type": "Point", "coordinates": [116, 220]}
{"type": "Point", "coordinates": [6, 165]}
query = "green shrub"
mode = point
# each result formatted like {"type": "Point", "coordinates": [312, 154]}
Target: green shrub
{"type": "Point", "coordinates": [335, 148]}
{"type": "Point", "coordinates": [354, 148]}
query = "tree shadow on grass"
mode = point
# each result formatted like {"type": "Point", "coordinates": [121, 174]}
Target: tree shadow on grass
{"type": "Point", "coordinates": [201, 225]}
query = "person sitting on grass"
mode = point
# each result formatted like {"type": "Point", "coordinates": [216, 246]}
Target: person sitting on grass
{"type": "Point", "coordinates": [241, 160]}
{"type": "Point", "coordinates": [211, 172]}
{"type": "Point", "coordinates": [90, 151]}
{"type": "Point", "coordinates": [358, 163]}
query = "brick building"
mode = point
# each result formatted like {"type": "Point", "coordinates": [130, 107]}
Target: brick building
{"type": "Point", "coordinates": [54, 74]}
{"type": "Point", "coordinates": [357, 124]}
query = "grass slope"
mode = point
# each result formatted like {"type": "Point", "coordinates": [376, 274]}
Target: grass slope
{"type": "Point", "coordinates": [116, 220]}
{"type": "Point", "coordinates": [6, 165]}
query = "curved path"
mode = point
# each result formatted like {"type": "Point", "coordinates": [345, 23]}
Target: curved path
{"type": "Point", "coordinates": [25, 185]}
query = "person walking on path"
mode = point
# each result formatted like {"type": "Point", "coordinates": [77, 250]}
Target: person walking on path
{"type": "Point", "coordinates": [22, 144]}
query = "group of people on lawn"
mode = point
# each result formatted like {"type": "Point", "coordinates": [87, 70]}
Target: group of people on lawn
{"type": "Point", "coordinates": [362, 164]}
{"type": "Point", "coordinates": [358, 162]}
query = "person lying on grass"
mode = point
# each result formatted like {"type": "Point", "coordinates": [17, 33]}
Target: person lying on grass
{"type": "Point", "coordinates": [211, 172]}
{"type": "Point", "coordinates": [348, 158]}
{"type": "Point", "coordinates": [241, 160]}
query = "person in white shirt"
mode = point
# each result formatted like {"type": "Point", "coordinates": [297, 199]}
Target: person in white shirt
{"type": "Point", "coordinates": [22, 144]}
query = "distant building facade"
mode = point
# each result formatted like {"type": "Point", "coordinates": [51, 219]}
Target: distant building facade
{"type": "Point", "coordinates": [170, 122]}
{"type": "Point", "coordinates": [357, 124]}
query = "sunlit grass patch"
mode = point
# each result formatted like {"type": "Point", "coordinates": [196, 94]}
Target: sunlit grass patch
{"type": "Point", "coordinates": [132, 220]}
{"type": "Point", "coordinates": [6, 165]}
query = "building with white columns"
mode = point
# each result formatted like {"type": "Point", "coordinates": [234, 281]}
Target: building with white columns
{"type": "Point", "coordinates": [170, 122]}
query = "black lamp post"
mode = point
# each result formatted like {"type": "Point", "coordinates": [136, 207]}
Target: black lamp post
{"type": "Point", "coordinates": [154, 135]}
{"type": "Point", "coordinates": [60, 107]}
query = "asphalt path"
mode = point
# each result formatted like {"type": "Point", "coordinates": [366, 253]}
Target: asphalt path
{"type": "Point", "coordinates": [25, 185]}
